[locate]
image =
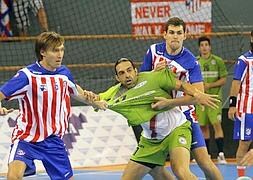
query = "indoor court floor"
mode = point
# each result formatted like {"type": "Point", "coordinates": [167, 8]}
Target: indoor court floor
{"type": "Point", "coordinates": [228, 171]}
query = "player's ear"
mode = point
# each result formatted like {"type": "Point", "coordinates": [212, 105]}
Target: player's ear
{"type": "Point", "coordinates": [164, 34]}
{"type": "Point", "coordinates": [42, 52]}
{"type": "Point", "coordinates": [185, 35]}
{"type": "Point", "coordinates": [116, 77]}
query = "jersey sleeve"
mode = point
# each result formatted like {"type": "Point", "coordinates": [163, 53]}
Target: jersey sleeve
{"type": "Point", "coordinates": [72, 85]}
{"type": "Point", "coordinates": [147, 61]}
{"type": "Point", "coordinates": [167, 79]}
{"type": "Point", "coordinates": [240, 69]}
{"type": "Point", "coordinates": [195, 74]}
{"type": "Point", "coordinates": [109, 94]}
{"type": "Point", "coordinates": [16, 86]}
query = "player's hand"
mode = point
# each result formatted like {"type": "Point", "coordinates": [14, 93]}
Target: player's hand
{"type": "Point", "coordinates": [232, 113]}
{"type": "Point", "coordinates": [90, 96]}
{"type": "Point", "coordinates": [161, 65]}
{"type": "Point", "coordinates": [209, 100]}
{"type": "Point", "coordinates": [4, 111]}
{"type": "Point", "coordinates": [100, 105]}
{"type": "Point", "coordinates": [161, 103]}
{"type": "Point", "coordinates": [247, 160]}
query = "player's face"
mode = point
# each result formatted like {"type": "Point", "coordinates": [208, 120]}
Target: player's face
{"type": "Point", "coordinates": [174, 38]}
{"type": "Point", "coordinates": [126, 74]}
{"type": "Point", "coordinates": [204, 48]}
{"type": "Point", "coordinates": [52, 58]}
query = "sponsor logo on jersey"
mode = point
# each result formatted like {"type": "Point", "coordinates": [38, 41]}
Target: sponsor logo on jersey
{"type": "Point", "coordinates": [182, 140]}
{"type": "Point", "coordinates": [20, 152]}
{"type": "Point", "coordinates": [248, 131]}
{"type": "Point", "coordinates": [43, 87]}
{"type": "Point", "coordinates": [140, 84]}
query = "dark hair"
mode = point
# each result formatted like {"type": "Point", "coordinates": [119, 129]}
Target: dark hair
{"type": "Point", "coordinates": [122, 60]}
{"type": "Point", "coordinates": [251, 33]}
{"type": "Point", "coordinates": [204, 38]}
{"type": "Point", "coordinates": [47, 40]}
{"type": "Point", "coordinates": [175, 21]}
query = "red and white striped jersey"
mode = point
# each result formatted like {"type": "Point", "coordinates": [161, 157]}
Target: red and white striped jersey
{"type": "Point", "coordinates": [244, 72]}
{"type": "Point", "coordinates": [44, 102]}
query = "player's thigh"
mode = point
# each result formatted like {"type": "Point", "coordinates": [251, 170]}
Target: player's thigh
{"type": "Point", "coordinates": [16, 169]}
{"type": "Point", "coordinates": [135, 171]}
{"type": "Point", "coordinates": [55, 159]}
{"type": "Point", "coordinates": [161, 173]}
{"type": "Point", "coordinates": [197, 137]}
{"type": "Point", "coordinates": [214, 115]}
{"type": "Point", "coordinates": [202, 115]}
{"type": "Point", "coordinates": [179, 157]}
{"type": "Point", "coordinates": [243, 126]}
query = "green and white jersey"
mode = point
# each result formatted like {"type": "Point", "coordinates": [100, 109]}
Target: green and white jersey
{"type": "Point", "coordinates": [213, 69]}
{"type": "Point", "coordinates": [135, 103]}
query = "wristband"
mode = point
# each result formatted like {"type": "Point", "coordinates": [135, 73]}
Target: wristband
{"type": "Point", "coordinates": [232, 101]}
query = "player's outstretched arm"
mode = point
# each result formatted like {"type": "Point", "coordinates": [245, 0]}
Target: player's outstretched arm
{"type": "Point", "coordinates": [195, 96]}
{"type": "Point", "coordinates": [90, 98]}
{"type": "Point", "coordinates": [3, 110]}
{"type": "Point", "coordinates": [199, 96]}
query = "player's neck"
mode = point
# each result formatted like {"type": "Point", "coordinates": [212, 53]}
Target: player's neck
{"type": "Point", "coordinates": [46, 66]}
{"type": "Point", "coordinates": [206, 56]}
{"type": "Point", "coordinates": [121, 91]}
{"type": "Point", "coordinates": [173, 52]}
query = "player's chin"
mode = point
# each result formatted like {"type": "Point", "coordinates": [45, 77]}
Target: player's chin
{"type": "Point", "coordinates": [58, 64]}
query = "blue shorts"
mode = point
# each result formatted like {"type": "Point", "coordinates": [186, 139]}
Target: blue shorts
{"type": "Point", "coordinates": [243, 127]}
{"type": "Point", "coordinates": [197, 136]}
{"type": "Point", "coordinates": [51, 152]}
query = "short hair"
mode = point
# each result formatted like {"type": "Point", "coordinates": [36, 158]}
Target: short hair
{"type": "Point", "coordinates": [204, 38]}
{"type": "Point", "coordinates": [251, 33]}
{"type": "Point", "coordinates": [123, 60]}
{"type": "Point", "coordinates": [47, 40]}
{"type": "Point", "coordinates": [175, 21]}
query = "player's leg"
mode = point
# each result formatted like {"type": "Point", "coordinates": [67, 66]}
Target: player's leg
{"type": "Point", "coordinates": [149, 155]}
{"type": "Point", "coordinates": [242, 123]}
{"type": "Point", "coordinates": [214, 115]}
{"type": "Point", "coordinates": [242, 150]}
{"type": "Point", "coordinates": [135, 170]}
{"type": "Point", "coordinates": [179, 150]}
{"type": "Point", "coordinates": [161, 173]}
{"type": "Point", "coordinates": [55, 158]}
{"type": "Point", "coordinates": [20, 161]}
{"type": "Point", "coordinates": [16, 170]}
{"type": "Point", "coordinates": [201, 155]}
{"type": "Point", "coordinates": [180, 163]}
{"type": "Point", "coordinates": [202, 114]}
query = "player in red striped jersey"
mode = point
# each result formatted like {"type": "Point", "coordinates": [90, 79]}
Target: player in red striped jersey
{"type": "Point", "coordinates": [241, 104]}
{"type": "Point", "coordinates": [43, 90]}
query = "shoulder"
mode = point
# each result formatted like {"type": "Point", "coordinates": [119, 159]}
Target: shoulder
{"type": "Point", "coordinates": [247, 56]}
{"type": "Point", "coordinates": [217, 58]}
{"type": "Point", "coordinates": [188, 59]}
{"type": "Point", "coordinates": [158, 47]}
{"type": "Point", "coordinates": [63, 70]}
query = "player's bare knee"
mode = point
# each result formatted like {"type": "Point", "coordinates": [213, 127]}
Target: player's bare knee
{"type": "Point", "coordinates": [14, 175]}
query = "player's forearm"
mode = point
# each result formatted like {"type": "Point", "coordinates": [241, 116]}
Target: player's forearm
{"type": "Point", "coordinates": [183, 101]}
{"type": "Point", "coordinates": [218, 83]}
{"type": "Point", "coordinates": [84, 96]}
{"type": "Point", "coordinates": [235, 87]}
